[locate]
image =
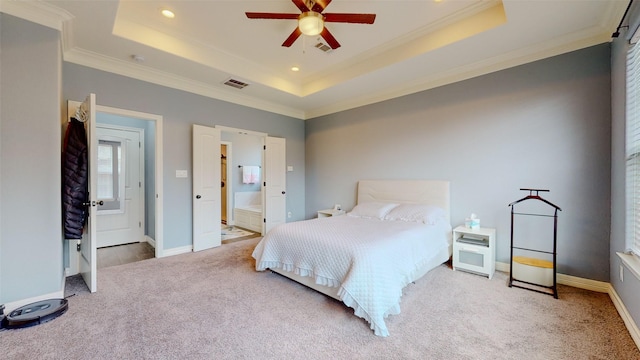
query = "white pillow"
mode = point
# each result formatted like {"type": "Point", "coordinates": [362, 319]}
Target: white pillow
{"type": "Point", "coordinates": [427, 214]}
{"type": "Point", "coordinates": [372, 210]}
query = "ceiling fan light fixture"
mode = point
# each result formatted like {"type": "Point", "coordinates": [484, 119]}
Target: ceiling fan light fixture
{"type": "Point", "coordinates": [311, 23]}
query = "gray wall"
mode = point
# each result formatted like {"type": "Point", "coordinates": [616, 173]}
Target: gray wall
{"type": "Point", "coordinates": [30, 146]}
{"type": "Point", "coordinates": [544, 125]}
{"type": "Point", "coordinates": [180, 110]}
{"type": "Point", "coordinates": [629, 290]}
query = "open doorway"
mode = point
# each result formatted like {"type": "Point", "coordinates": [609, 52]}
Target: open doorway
{"type": "Point", "coordinates": [270, 184]}
{"type": "Point", "coordinates": [226, 178]}
{"type": "Point", "coordinates": [122, 233]}
{"type": "Point", "coordinates": [228, 231]}
{"type": "Point", "coordinates": [149, 126]}
{"type": "Point", "coordinates": [241, 195]}
{"type": "Point", "coordinates": [126, 233]}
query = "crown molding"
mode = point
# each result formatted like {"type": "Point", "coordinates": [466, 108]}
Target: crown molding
{"type": "Point", "coordinates": [473, 20]}
{"type": "Point", "coordinates": [116, 66]}
{"type": "Point", "coordinates": [37, 12]}
{"type": "Point", "coordinates": [53, 17]}
{"type": "Point", "coordinates": [613, 15]}
{"type": "Point", "coordinates": [197, 52]}
{"type": "Point", "coordinates": [557, 46]}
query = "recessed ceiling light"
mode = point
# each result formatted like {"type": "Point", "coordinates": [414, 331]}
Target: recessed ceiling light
{"type": "Point", "coordinates": [168, 13]}
{"type": "Point", "coordinates": [295, 68]}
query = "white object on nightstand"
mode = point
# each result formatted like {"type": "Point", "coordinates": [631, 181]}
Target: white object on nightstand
{"type": "Point", "coordinates": [330, 212]}
{"type": "Point", "coordinates": [474, 250]}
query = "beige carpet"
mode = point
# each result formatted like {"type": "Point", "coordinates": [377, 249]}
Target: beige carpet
{"type": "Point", "coordinates": [213, 305]}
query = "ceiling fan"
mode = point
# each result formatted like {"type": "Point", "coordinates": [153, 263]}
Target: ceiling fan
{"type": "Point", "coordinates": [311, 20]}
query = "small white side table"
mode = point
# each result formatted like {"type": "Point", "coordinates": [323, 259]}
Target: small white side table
{"type": "Point", "coordinates": [474, 250]}
{"type": "Point", "coordinates": [330, 212]}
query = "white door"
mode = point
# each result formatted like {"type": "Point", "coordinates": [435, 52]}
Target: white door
{"type": "Point", "coordinates": [119, 186]}
{"type": "Point", "coordinates": [88, 252]}
{"type": "Point", "coordinates": [275, 184]}
{"type": "Point", "coordinates": [206, 188]}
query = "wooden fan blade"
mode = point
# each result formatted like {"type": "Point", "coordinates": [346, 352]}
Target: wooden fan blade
{"type": "Point", "coordinates": [301, 5]}
{"type": "Point", "coordinates": [262, 15]}
{"type": "Point", "coordinates": [350, 18]}
{"type": "Point", "coordinates": [292, 38]}
{"type": "Point", "coordinates": [320, 5]}
{"type": "Point", "coordinates": [331, 41]}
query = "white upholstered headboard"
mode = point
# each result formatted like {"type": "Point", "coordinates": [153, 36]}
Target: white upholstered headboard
{"type": "Point", "coordinates": [432, 192]}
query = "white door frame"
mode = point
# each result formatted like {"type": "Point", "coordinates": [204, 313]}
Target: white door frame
{"type": "Point", "coordinates": [229, 184]}
{"type": "Point", "coordinates": [231, 203]}
{"type": "Point", "coordinates": [159, 211]}
{"type": "Point", "coordinates": [159, 195]}
{"type": "Point", "coordinates": [74, 267]}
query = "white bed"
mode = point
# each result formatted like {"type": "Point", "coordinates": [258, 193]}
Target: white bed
{"type": "Point", "coordinates": [366, 258]}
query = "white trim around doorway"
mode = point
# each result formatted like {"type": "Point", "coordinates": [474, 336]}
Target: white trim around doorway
{"type": "Point", "coordinates": [229, 184]}
{"type": "Point", "coordinates": [159, 193]}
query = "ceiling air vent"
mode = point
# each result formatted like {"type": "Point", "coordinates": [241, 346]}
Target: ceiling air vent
{"type": "Point", "coordinates": [324, 47]}
{"type": "Point", "coordinates": [236, 83]}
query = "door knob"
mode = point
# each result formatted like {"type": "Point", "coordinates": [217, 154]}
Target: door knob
{"type": "Point", "coordinates": [100, 202]}
{"type": "Point", "coordinates": [283, 193]}
{"type": "Point", "coordinates": [198, 196]}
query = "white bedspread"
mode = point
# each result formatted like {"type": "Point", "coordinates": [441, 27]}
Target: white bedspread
{"type": "Point", "coordinates": [371, 261]}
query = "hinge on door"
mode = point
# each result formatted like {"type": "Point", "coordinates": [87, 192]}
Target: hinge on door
{"type": "Point", "coordinates": [264, 183]}
{"type": "Point", "coordinates": [264, 220]}
{"type": "Point", "coordinates": [264, 147]}
{"type": "Point", "coordinates": [78, 246]}
{"type": "Point", "coordinates": [139, 223]}
{"type": "Point", "coordinates": [139, 144]}
{"type": "Point", "coordinates": [140, 184]}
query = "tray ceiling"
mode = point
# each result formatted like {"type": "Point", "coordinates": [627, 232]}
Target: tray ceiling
{"type": "Point", "coordinates": [412, 46]}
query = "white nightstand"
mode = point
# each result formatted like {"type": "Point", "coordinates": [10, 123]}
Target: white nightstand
{"type": "Point", "coordinates": [474, 250]}
{"type": "Point", "coordinates": [330, 212]}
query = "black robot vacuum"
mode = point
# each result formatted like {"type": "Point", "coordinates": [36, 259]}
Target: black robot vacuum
{"type": "Point", "coordinates": [33, 314]}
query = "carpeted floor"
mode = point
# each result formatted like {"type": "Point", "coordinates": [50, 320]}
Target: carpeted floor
{"type": "Point", "coordinates": [214, 305]}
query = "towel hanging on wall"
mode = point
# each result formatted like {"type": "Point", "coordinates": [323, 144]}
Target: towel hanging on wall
{"type": "Point", "coordinates": [250, 174]}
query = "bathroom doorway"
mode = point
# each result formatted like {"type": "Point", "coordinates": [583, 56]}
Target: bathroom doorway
{"type": "Point", "coordinates": [226, 184]}
{"type": "Point", "coordinates": [239, 148]}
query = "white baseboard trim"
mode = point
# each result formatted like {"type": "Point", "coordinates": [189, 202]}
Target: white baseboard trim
{"type": "Point", "coordinates": [582, 283]}
{"type": "Point", "coordinates": [626, 317]}
{"type": "Point", "coordinates": [504, 267]}
{"type": "Point", "coordinates": [597, 286]}
{"type": "Point", "coordinates": [577, 282]}
{"type": "Point", "coordinates": [150, 240]}
{"type": "Point", "coordinates": [177, 251]}
{"type": "Point", "coordinates": [9, 307]}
